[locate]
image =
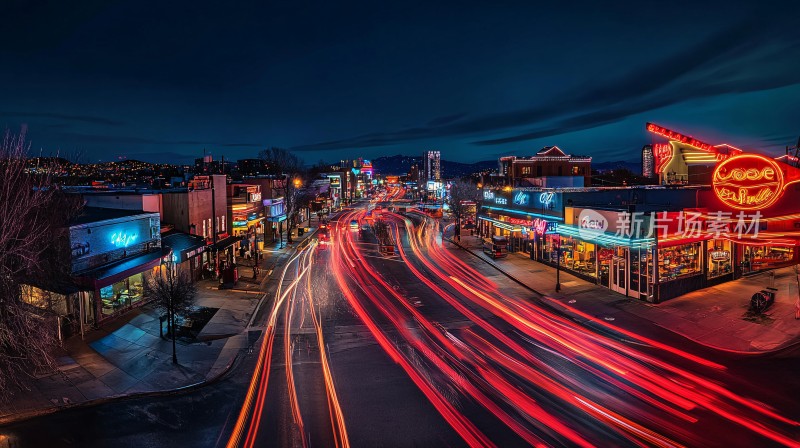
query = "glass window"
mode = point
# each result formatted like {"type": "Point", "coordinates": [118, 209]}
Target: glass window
{"type": "Point", "coordinates": [719, 258]}
{"type": "Point", "coordinates": [584, 258]}
{"type": "Point", "coordinates": [121, 294]}
{"type": "Point", "coordinates": [678, 261]}
{"type": "Point", "coordinates": [756, 258]}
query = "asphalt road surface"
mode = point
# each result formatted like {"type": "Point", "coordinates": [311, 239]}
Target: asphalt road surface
{"type": "Point", "coordinates": [423, 345]}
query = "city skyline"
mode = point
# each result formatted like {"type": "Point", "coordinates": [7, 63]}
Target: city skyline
{"type": "Point", "coordinates": [475, 83]}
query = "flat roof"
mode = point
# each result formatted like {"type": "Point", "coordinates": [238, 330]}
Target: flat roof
{"type": "Point", "coordinates": [96, 214]}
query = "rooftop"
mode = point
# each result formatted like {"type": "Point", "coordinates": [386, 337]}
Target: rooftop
{"type": "Point", "coordinates": [97, 214]}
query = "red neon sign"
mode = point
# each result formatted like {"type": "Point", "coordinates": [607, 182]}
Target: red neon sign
{"type": "Point", "coordinates": [678, 137]}
{"type": "Point", "coordinates": [748, 182]}
{"type": "Point", "coordinates": [538, 225]}
{"type": "Point", "coordinates": [662, 152]}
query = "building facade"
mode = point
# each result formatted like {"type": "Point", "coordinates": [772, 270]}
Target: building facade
{"type": "Point", "coordinates": [656, 243]}
{"type": "Point", "coordinates": [549, 167]}
{"type": "Point", "coordinates": [111, 252]}
{"type": "Point", "coordinates": [431, 166]}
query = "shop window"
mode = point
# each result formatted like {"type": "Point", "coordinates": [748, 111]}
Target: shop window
{"type": "Point", "coordinates": [720, 261]}
{"type": "Point", "coordinates": [576, 254]}
{"type": "Point", "coordinates": [678, 261]}
{"type": "Point", "coordinates": [122, 294]}
{"type": "Point", "coordinates": [756, 258]}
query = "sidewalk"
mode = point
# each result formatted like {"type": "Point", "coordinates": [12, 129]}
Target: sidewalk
{"type": "Point", "coordinates": [127, 356]}
{"type": "Point", "coordinates": [716, 317]}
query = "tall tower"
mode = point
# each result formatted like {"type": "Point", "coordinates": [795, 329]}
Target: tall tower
{"type": "Point", "coordinates": [648, 161]}
{"type": "Point", "coordinates": [432, 165]}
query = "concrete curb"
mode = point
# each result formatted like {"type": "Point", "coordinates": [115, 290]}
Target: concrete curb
{"type": "Point", "coordinates": [555, 303]}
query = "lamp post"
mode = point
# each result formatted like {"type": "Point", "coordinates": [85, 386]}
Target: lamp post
{"type": "Point", "coordinates": [170, 264]}
{"type": "Point", "coordinates": [558, 264]}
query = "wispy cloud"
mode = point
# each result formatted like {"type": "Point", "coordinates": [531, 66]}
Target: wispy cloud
{"type": "Point", "coordinates": [723, 63]}
{"type": "Point", "coordinates": [65, 117]}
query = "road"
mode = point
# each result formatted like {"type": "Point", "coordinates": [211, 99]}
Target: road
{"type": "Point", "coordinates": [428, 346]}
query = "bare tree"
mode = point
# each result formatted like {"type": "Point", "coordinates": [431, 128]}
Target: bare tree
{"type": "Point", "coordinates": [32, 224]}
{"type": "Point", "coordinates": [290, 181]}
{"type": "Point", "coordinates": [173, 291]}
{"type": "Point", "coordinates": [462, 196]}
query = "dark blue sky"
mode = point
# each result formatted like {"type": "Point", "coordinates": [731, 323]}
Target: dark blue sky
{"type": "Point", "coordinates": [161, 81]}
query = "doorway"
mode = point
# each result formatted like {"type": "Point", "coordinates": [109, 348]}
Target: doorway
{"type": "Point", "coordinates": [619, 274]}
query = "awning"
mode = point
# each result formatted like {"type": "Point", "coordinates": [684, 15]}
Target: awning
{"type": "Point", "coordinates": [604, 238]}
{"type": "Point", "coordinates": [226, 242]}
{"type": "Point", "coordinates": [501, 210]}
{"type": "Point", "coordinates": [184, 245]}
{"type": "Point", "coordinates": [110, 274]}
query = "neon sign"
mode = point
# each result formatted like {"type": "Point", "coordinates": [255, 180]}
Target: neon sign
{"type": "Point", "coordinates": [662, 152]}
{"type": "Point", "coordinates": [748, 182]}
{"type": "Point", "coordinates": [546, 198]}
{"type": "Point", "coordinates": [677, 136]}
{"type": "Point", "coordinates": [720, 255]}
{"type": "Point", "coordinates": [122, 239]}
{"type": "Point", "coordinates": [538, 225]}
{"type": "Point", "coordinates": [521, 198]}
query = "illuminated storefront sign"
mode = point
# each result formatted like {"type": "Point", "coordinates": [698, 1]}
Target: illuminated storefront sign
{"type": "Point", "coordinates": [678, 137]}
{"type": "Point", "coordinates": [662, 152]}
{"type": "Point", "coordinates": [521, 198]}
{"type": "Point", "coordinates": [591, 224]}
{"type": "Point", "coordinates": [501, 201]}
{"type": "Point", "coordinates": [488, 195]}
{"type": "Point", "coordinates": [720, 255]}
{"type": "Point", "coordinates": [546, 198]}
{"type": "Point", "coordinates": [254, 197]}
{"type": "Point", "coordinates": [122, 239]}
{"type": "Point", "coordinates": [538, 225]}
{"type": "Point", "coordinates": [748, 182]}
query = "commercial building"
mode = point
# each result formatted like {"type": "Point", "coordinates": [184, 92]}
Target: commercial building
{"type": "Point", "coordinates": [245, 209]}
{"type": "Point", "coordinates": [110, 252]}
{"type": "Point", "coordinates": [658, 242]}
{"type": "Point", "coordinates": [550, 167]}
{"type": "Point", "coordinates": [431, 166]}
{"type": "Point", "coordinates": [648, 162]}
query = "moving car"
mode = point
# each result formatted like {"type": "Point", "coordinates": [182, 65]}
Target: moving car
{"type": "Point", "coordinates": [354, 224]}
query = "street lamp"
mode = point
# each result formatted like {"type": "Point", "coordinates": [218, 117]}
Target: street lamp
{"type": "Point", "coordinates": [170, 264]}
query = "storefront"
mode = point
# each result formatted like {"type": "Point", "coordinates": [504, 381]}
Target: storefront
{"type": "Point", "coordinates": [523, 216]}
{"type": "Point", "coordinates": [592, 244]}
{"type": "Point", "coordinates": [187, 252]}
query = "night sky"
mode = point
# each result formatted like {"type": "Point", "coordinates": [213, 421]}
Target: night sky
{"type": "Point", "coordinates": [161, 81]}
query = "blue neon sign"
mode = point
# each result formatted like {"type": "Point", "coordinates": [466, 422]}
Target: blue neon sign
{"type": "Point", "coordinates": [521, 198]}
{"type": "Point", "coordinates": [123, 239]}
{"type": "Point", "coordinates": [546, 198]}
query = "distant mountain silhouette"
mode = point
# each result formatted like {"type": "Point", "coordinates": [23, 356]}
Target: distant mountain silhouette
{"type": "Point", "coordinates": [634, 167]}
{"type": "Point", "coordinates": [400, 165]}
